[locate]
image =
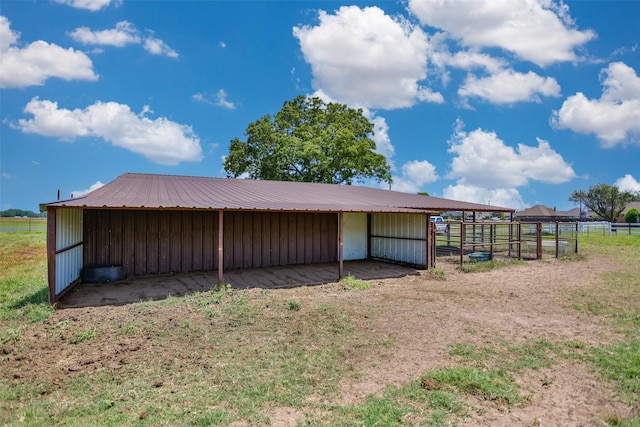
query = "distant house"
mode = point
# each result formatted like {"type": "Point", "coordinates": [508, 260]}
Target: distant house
{"type": "Point", "coordinates": [627, 208]}
{"type": "Point", "coordinates": [541, 213]}
{"type": "Point", "coordinates": [152, 224]}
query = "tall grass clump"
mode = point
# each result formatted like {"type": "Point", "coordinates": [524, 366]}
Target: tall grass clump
{"type": "Point", "coordinates": [23, 276]}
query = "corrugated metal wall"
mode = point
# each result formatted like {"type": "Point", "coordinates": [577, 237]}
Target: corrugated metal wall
{"type": "Point", "coordinates": [399, 237]}
{"type": "Point", "coordinates": [147, 242]}
{"type": "Point", "coordinates": [267, 239]}
{"type": "Point", "coordinates": [68, 247]}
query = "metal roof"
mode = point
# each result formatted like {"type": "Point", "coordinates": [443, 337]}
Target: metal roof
{"type": "Point", "coordinates": [148, 191]}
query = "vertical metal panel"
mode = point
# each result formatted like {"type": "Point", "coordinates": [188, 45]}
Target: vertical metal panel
{"type": "Point", "coordinates": [186, 244]}
{"type": "Point", "coordinates": [256, 244]}
{"type": "Point", "coordinates": [141, 234]}
{"type": "Point", "coordinates": [128, 242]}
{"type": "Point", "coordinates": [300, 253]}
{"type": "Point", "coordinates": [164, 242]}
{"type": "Point", "coordinates": [210, 241]}
{"type": "Point", "coordinates": [151, 221]}
{"type": "Point", "coordinates": [115, 238]}
{"type": "Point", "coordinates": [399, 237]}
{"type": "Point", "coordinates": [292, 241]}
{"type": "Point", "coordinates": [175, 241]}
{"type": "Point", "coordinates": [247, 240]}
{"type": "Point", "coordinates": [266, 241]}
{"type": "Point", "coordinates": [274, 236]}
{"type": "Point", "coordinates": [102, 238]}
{"type": "Point", "coordinates": [68, 259]}
{"type": "Point", "coordinates": [308, 237]}
{"type": "Point", "coordinates": [227, 244]}
{"type": "Point", "coordinates": [197, 238]}
{"type": "Point", "coordinates": [284, 239]}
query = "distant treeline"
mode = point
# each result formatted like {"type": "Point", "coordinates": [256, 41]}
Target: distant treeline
{"type": "Point", "coordinates": [11, 213]}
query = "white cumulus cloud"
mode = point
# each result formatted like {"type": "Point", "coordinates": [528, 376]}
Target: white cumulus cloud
{"type": "Point", "coordinates": [509, 86]}
{"type": "Point", "coordinates": [365, 57]}
{"type": "Point", "coordinates": [628, 183]}
{"type": "Point", "coordinates": [80, 193]}
{"type": "Point", "coordinates": [614, 117]}
{"type": "Point", "coordinates": [123, 34]}
{"type": "Point", "coordinates": [503, 197]}
{"type": "Point", "coordinates": [484, 160]}
{"type": "Point", "coordinates": [160, 140]}
{"type": "Point", "coordinates": [415, 174]}
{"type": "Point", "coordinates": [33, 64]}
{"type": "Point", "coordinates": [539, 31]}
{"type": "Point", "coordinates": [92, 5]}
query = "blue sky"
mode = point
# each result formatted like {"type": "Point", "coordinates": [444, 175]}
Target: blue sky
{"type": "Point", "coordinates": [507, 102]}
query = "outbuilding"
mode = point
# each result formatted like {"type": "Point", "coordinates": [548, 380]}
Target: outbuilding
{"type": "Point", "coordinates": [153, 224]}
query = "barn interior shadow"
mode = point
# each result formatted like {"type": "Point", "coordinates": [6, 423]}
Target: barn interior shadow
{"type": "Point", "coordinates": [161, 286]}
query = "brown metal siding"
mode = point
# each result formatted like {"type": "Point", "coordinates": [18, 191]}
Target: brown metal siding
{"type": "Point", "coordinates": [267, 239]}
{"type": "Point", "coordinates": [147, 242]}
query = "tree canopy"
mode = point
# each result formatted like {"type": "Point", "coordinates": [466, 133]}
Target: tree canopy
{"type": "Point", "coordinates": [607, 201]}
{"type": "Point", "coordinates": [310, 141]}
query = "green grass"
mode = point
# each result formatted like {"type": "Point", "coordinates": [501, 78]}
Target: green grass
{"type": "Point", "coordinates": [23, 283]}
{"type": "Point", "coordinates": [352, 283]}
{"type": "Point", "coordinates": [616, 298]}
{"type": "Point", "coordinates": [483, 266]}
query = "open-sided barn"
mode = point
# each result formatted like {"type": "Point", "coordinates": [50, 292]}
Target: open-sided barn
{"type": "Point", "coordinates": [148, 224]}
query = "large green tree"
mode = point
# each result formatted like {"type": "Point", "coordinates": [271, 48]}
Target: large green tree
{"type": "Point", "coordinates": [607, 201]}
{"type": "Point", "coordinates": [311, 141]}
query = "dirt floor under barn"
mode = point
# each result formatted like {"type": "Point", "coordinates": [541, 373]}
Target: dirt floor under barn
{"type": "Point", "coordinates": [422, 314]}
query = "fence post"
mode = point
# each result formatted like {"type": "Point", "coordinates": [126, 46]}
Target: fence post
{"type": "Point", "coordinates": [539, 240]}
{"type": "Point", "coordinates": [557, 238]}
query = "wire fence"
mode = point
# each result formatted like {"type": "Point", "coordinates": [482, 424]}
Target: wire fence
{"type": "Point", "coordinates": [23, 224]}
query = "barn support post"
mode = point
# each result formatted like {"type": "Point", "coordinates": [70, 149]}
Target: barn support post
{"type": "Point", "coordinates": [340, 245]}
{"type": "Point", "coordinates": [51, 253]}
{"type": "Point", "coordinates": [427, 260]}
{"type": "Point", "coordinates": [369, 236]}
{"type": "Point", "coordinates": [220, 246]}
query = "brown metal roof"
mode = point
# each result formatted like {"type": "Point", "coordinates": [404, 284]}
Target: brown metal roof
{"type": "Point", "coordinates": [146, 191]}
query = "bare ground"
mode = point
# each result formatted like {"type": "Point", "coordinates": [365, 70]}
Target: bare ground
{"type": "Point", "coordinates": [422, 316]}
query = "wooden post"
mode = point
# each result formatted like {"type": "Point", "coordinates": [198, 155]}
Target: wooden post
{"type": "Point", "coordinates": [51, 253]}
{"type": "Point", "coordinates": [220, 246]}
{"type": "Point", "coordinates": [340, 244]}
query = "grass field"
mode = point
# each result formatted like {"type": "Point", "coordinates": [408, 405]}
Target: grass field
{"type": "Point", "coordinates": [269, 350]}
{"type": "Point", "coordinates": [23, 224]}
